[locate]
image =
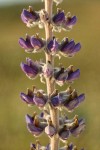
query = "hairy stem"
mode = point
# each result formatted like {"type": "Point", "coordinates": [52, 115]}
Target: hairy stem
{"type": "Point", "coordinates": [51, 85]}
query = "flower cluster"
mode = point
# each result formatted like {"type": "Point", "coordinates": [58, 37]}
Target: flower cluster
{"type": "Point", "coordinates": [35, 44]}
{"type": "Point", "coordinates": [68, 99]}
{"type": "Point", "coordinates": [59, 21]}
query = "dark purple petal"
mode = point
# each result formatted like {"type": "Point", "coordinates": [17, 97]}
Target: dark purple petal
{"type": "Point", "coordinates": [64, 133]}
{"type": "Point", "coordinates": [67, 46]}
{"type": "Point", "coordinates": [81, 98]}
{"type": "Point", "coordinates": [40, 102]}
{"type": "Point", "coordinates": [29, 71]}
{"type": "Point", "coordinates": [34, 130]}
{"type": "Point", "coordinates": [28, 16]}
{"type": "Point", "coordinates": [59, 18]}
{"type": "Point", "coordinates": [37, 43]}
{"type": "Point", "coordinates": [55, 101]}
{"type": "Point", "coordinates": [26, 43]}
{"type": "Point", "coordinates": [71, 105]}
{"type": "Point", "coordinates": [63, 76]}
{"type": "Point", "coordinates": [73, 75]}
{"type": "Point", "coordinates": [77, 48]}
{"type": "Point", "coordinates": [71, 21]}
{"type": "Point", "coordinates": [26, 98]}
{"type": "Point", "coordinates": [76, 130]}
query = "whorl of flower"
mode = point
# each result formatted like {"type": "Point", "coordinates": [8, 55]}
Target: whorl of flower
{"type": "Point", "coordinates": [53, 46]}
{"type": "Point", "coordinates": [34, 125]}
{"type": "Point", "coordinates": [37, 42]}
{"type": "Point", "coordinates": [31, 69]}
{"type": "Point", "coordinates": [69, 48]}
{"type": "Point", "coordinates": [29, 17]}
{"type": "Point", "coordinates": [66, 75]}
{"type": "Point", "coordinates": [26, 44]}
{"type": "Point", "coordinates": [69, 99]}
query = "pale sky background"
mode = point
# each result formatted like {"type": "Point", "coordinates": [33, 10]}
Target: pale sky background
{"type": "Point", "coordinates": [9, 2]}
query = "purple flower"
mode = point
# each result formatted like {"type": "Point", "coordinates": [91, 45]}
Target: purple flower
{"type": "Point", "coordinates": [58, 18]}
{"type": "Point", "coordinates": [26, 44]}
{"type": "Point", "coordinates": [55, 101]}
{"type": "Point", "coordinates": [50, 130]}
{"type": "Point", "coordinates": [37, 43]}
{"type": "Point", "coordinates": [28, 98]}
{"type": "Point", "coordinates": [70, 21]}
{"type": "Point", "coordinates": [60, 75]}
{"type": "Point", "coordinates": [69, 48]}
{"type": "Point", "coordinates": [47, 70]}
{"type": "Point", "coordinates": [34, 125]}
{"type": "Point", "coordinates": [74, 101]}
{"type": "Point", "coordinates": [53, 46]}
{"type": "Point", "coordinates": [78, 127]}
{"type": "Point", "coordinates": [29, 16]}
{"type": "Point", "coordinates": [72, 75]}
{"type": "Point", "coordinates": [40, 99]}
{"type": "Point", "coordinates": [31, 69]}
{"type": "Point", "coordinates": [64, 133]}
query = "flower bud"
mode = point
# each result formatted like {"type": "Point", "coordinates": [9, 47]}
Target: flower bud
{"type": "Point", "coordinates": [26, 44]}
{"type": "Point", "coordinates": [37, 43]}
{"type": "Point", "coordinates": [78, 127]}
{"type": "Point", "coordinates": [64, 133]}
{"type": "Point", "coordinates": [72, 75]}
{"type": "Point", "coordinates": [29, 16]}
{"type": "Point", "coordinates": [59, 18]}
{"type": "Point", "coordinates": [40, 99]}
{"type": "Point", "coordinates": [70, 21]}
{"type": "Point", "coordinates": [35, 127]}
{"type": "Point", "coordinates": [60, 75]}
{"type": "Point", "coordinates": [28, 98]}
{"type": "Point", "coordinates": [69, 48]}
{"type": "Point", "coordinates": [31, 69]}
{"type": "Point", "coordinates": [74, 102]}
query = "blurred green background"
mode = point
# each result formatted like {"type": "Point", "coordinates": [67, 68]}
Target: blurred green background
{"type": "Point", "coordinates": [13, 132]}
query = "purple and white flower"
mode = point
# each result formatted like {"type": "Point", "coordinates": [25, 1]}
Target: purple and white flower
{"type": "Point", "coordinates": [29, 17]}
{"type": "Point", "coordinates": [69, 48]}
{"type": "Point", "coordinates": [30, 68]}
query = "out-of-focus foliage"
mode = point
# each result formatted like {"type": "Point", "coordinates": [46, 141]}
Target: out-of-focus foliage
{"type": "Point", "coordinates": [13, 132]}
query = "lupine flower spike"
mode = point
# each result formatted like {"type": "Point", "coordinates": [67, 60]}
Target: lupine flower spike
{"type": "Point", "coordinates": [53, 102]}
